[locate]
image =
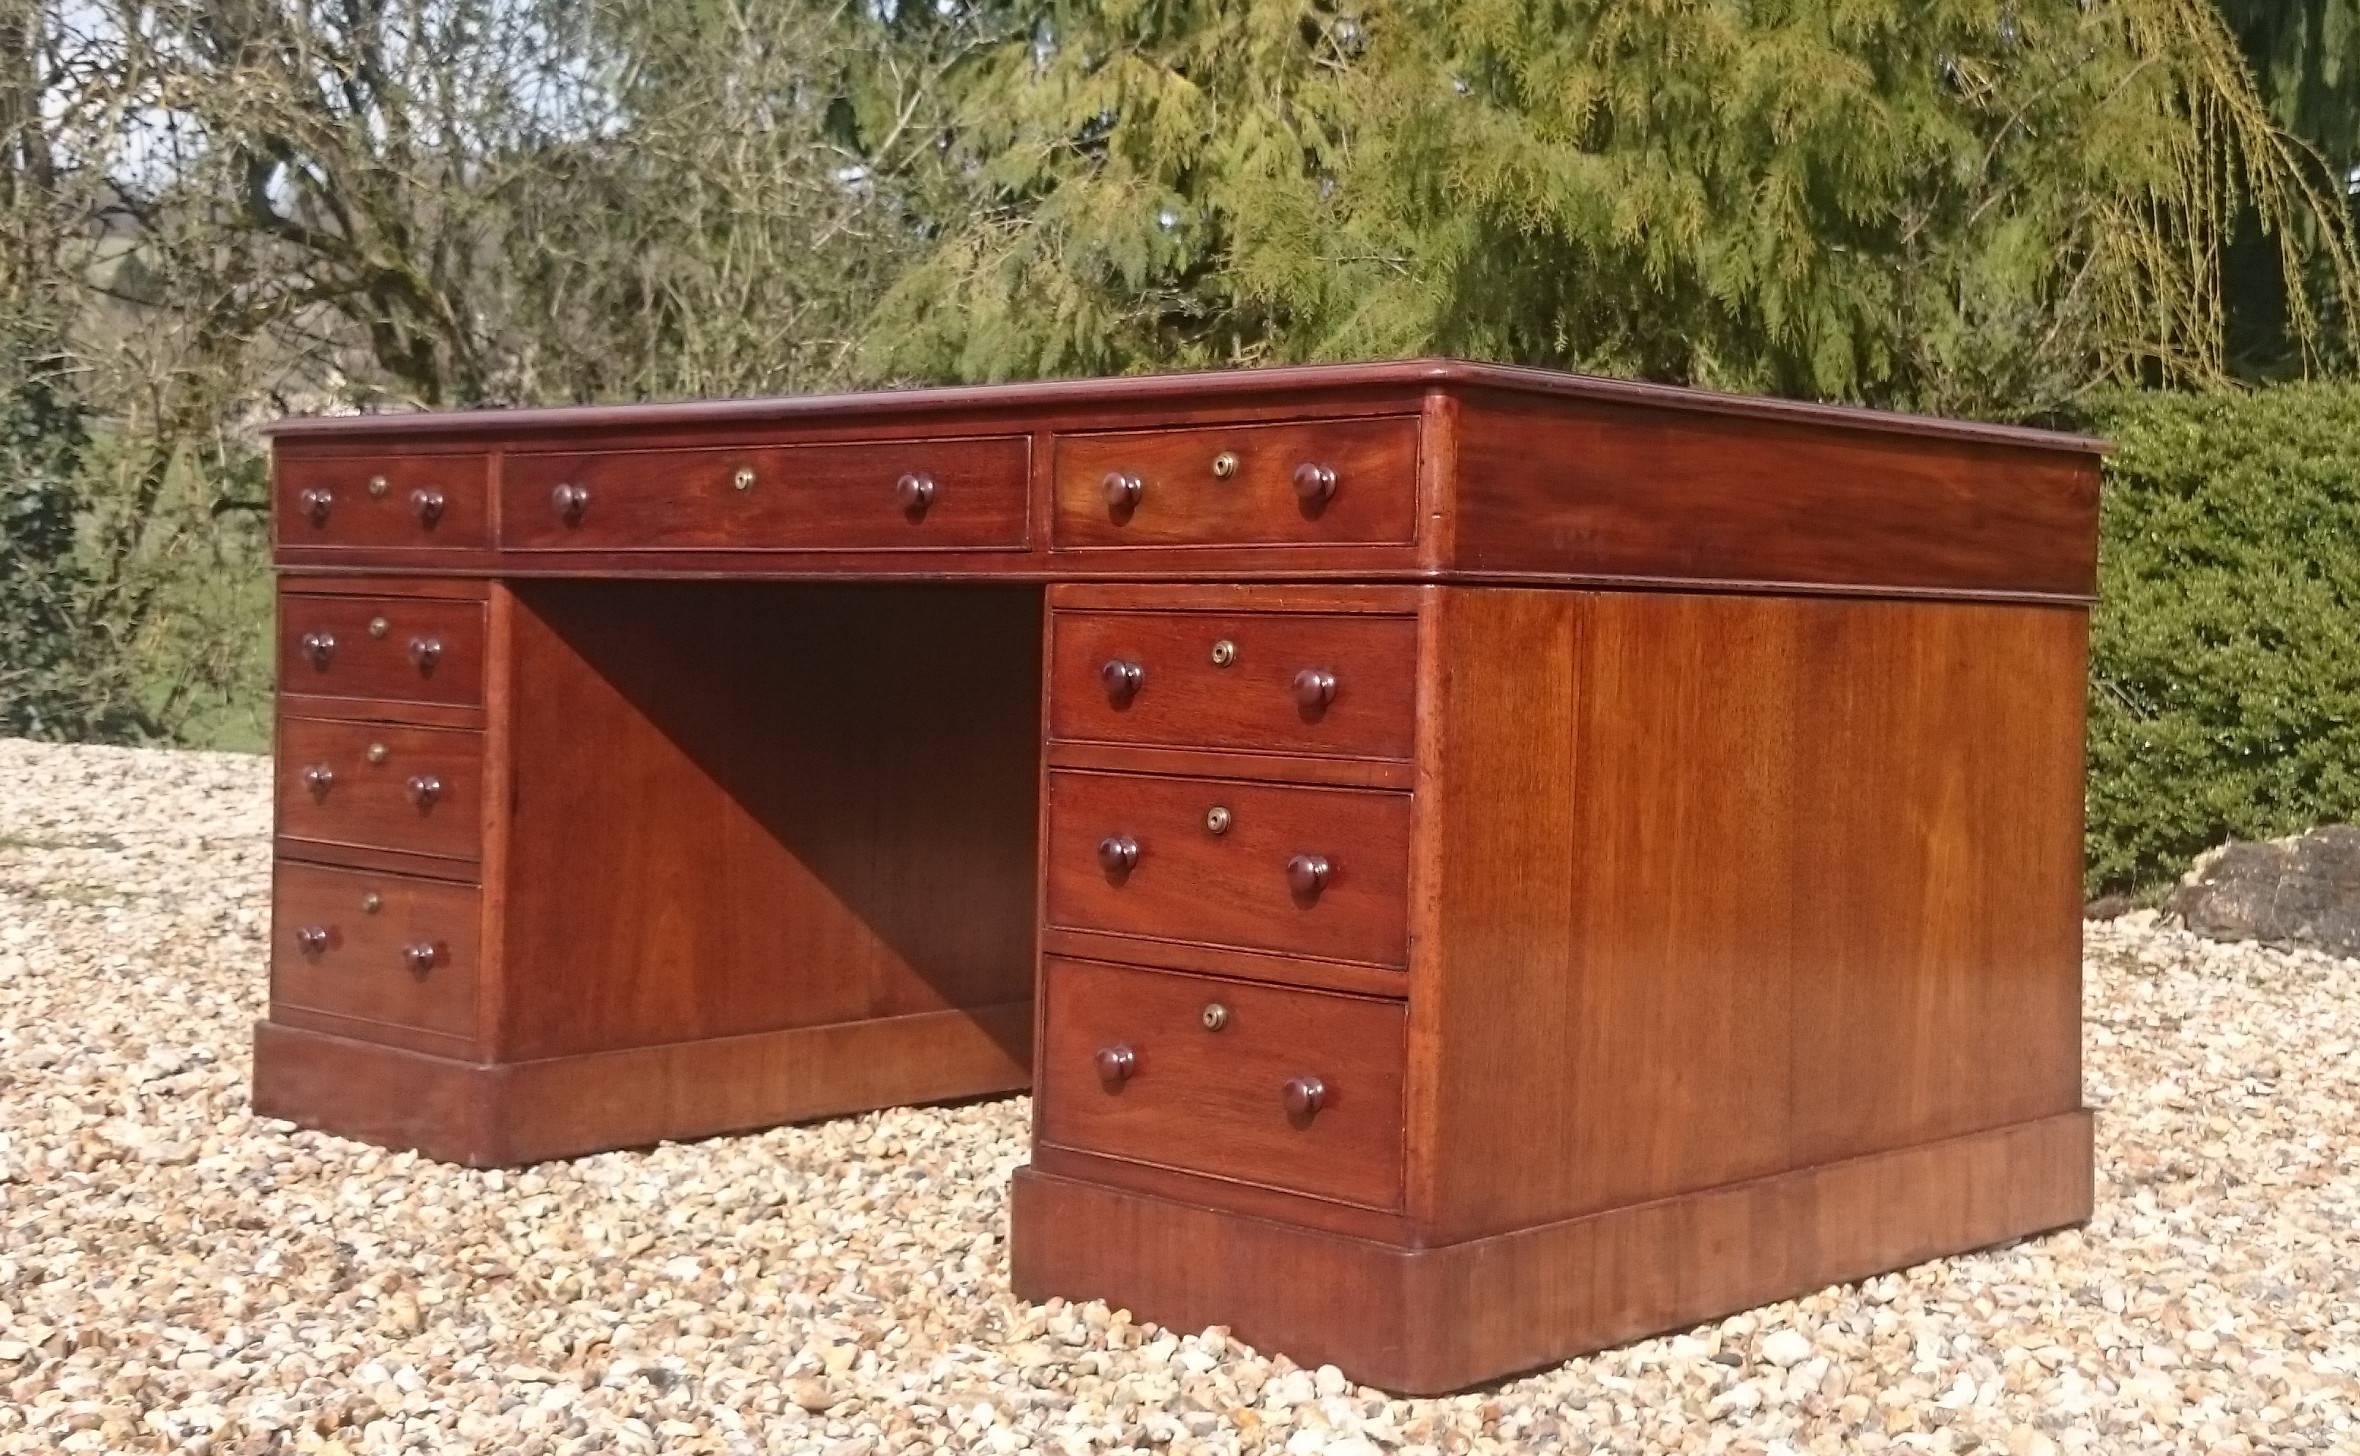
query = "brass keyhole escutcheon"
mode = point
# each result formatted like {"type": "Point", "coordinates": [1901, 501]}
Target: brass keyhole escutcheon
{"type": "Point", "coordinates": [1224, 652]}
{"type": "Point", "coordinates": [372, 902]}
{"type": "Point", "coordinates": [377, 753]}
{"type": "Point", "coordinates": [1224, 465]}
{"type": "Point", "coordinates": [377, 487]}
{"type": "Point", "coordinates": [1216, 1016]}
{"type": "Point", "coordinates": [744, 479]}
{"type": "Point", "coordinates": [1217, 820]}
{"type": "Point", "coordinates": [378, 626]}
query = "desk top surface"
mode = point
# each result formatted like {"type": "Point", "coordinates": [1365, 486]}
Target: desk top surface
{"type": "Point", "coordinates": [1207, 388]}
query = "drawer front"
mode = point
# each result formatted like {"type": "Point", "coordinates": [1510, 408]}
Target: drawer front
{"type": "Point", "coordinates": [1300, 871]}
{"type": "Point", "coordinates": [417, 501]}
{"type": "Point", "coordinates": [1299, 1090]}
{"type": "Point", "coordinates": [379, 787]}
{"type": "Point", "coordinates": [408, 961]}
{"type": "Point", "coordinates": [1240, 485]}
{"type": "Point", "coordinates": [913, 495]}
{"type": "Point", "coordinates": [1335, 685]}
{"type": "Point", "coordinates": [411, 649]}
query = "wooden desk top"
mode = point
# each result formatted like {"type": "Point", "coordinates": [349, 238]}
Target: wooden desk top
{"type": "Point", "coordinates": [1432, 470]}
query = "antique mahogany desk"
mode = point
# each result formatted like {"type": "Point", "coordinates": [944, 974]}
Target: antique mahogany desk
{"type": "Point", "coordinates": [1475, 864]}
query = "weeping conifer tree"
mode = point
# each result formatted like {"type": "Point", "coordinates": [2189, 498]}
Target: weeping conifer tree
{"type": "Point", "coordinates": [1983, 207]}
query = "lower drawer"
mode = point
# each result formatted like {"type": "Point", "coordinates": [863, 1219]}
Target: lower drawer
{"type": "Point", "coordinates": [375, 947]}
{"type": "Point", "coordinates": [1298, 871]}
{"type": "Point", "coordinates": [381, 787]}
{"type": "Point", "coordinates": [1288, 1089]}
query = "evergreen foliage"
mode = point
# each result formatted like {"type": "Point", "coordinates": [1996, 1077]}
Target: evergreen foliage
{"type": "Point", "coordinates": [1966, 206]}
{"type": "Point", "coordinates": [2225, 657]}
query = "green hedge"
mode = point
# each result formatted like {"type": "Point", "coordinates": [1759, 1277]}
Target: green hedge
{"type": "Point", "coordinates": [2225, 656]}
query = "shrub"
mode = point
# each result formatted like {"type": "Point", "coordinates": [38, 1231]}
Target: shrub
{"type": "Point", "coordinates": [2225, 658]}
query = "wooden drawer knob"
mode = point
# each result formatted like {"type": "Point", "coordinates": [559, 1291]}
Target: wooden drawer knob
{"type": "Point", "coordinates": [1314, 484]}
{"type": "Point", "coordinates": [1315, 688]}
{"type": "Point", "coordinates": [320, 647]}
{"type": "Point", "coordinates": [915, 492]}
{"type": "Point", "coordinates": [319, 778]}
{"type": "Point", "coordinates": [427, 505]}
{"type": "Point", "coordinates": [1307, 875]}
{"type": "Point", "coordinates": [1122, 491]}
{"type": "Point", "coordinates": [424, 789]}
{"type": "Point", "coordinates": [315, 503]}
{"type": "Point", "coordinates": [1116, 1064]}
{"type": "Point", "coordinates": [422, 957]}
{"type": "Point", "coordinates": [570, 501]}
{"type": "Point", "coordinates": [1303, 1096]}
{"type": "Point", "coordinates": [312, 940]}
{"type": "Point", "coordinates": [426, 652]}
{"type": "Point", "coordinates": [1118, 853]}
{"type": "Point", "coordinates": [1122, 679]}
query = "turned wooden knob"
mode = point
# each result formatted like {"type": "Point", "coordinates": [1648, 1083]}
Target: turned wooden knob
{"type": "Point", "coordinates": [915, 492]}
{"type": "Point", "coordinates": [426, 652]}
{"type": "Point", "coordinates": [315, 503]}
{"type": "Point", "coordinates": [1122, 679]}
{"type": "Point", "coordinates": [1116, 1064]}
{"type": "Point", "coordinates": [1315, 688]}
{"type": "Point", "coordinates": [320, 778]}
{"type": "Point", "coordinates": [1122, 490]}
{"type": "Point", "coordinates": [1303, 1096]}
{"type": "Point", "coordinates": [312, 939]}
{"type": "Point", "coordinates": [427, 505]}
{"type": "Point", "coordinates": [319, 647]}
{"type": "Point", "coordinates": [422, 957]}
{"type": "Point", "coordinates": [424, 789]}
{"type": "Point", "coordinates": [1307, 874]}
{"type": "Point", "coordinates": [1117, 853]}
{"type": "Point", "coordinates": [1314, 483]}
{"type": "Point", "coordinates": [570, 501]}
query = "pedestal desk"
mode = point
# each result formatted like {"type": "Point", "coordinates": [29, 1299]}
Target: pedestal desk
{"type": "Point", "coordinates": [1476, 864]}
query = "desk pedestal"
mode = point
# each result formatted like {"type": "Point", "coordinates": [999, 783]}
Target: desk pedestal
{"type": "Point", "coordinates": [695, 858]}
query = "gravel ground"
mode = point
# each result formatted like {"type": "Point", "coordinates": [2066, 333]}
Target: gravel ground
{"type": "Point", "coordinates": [177, 1274]}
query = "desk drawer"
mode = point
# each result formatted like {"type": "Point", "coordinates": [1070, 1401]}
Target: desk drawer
{"type": "Point", "coordinates": [1300, 1090]}
{"type": "Point", "coordinates": [1270, 683]}
{"type": "Point", "coordinates": [382, 501]}
{"type": "Point", "coordinates": [379, 787]}
{"type": "Point", "coordinates": [905, 495]}
{"type": "Point", "coordinates": [1302, 871]}
{"type": "Point", "coordinates": [1318, 483]}
{"type": "Point", "coordinates": [411, 649]}
{"type": "Point", "coordinates": [375, 947]}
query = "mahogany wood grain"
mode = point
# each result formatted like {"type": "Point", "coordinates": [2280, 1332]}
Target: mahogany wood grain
{"type": "Point", "coordinates": [1641, 492]}
{"type": "Point", "coordinates": [1183, 498]}
{"type": "Point", "coordinates": [1422, 1321]}
{"type": "Point", "coordinates": [824, 802]}
{"type": "Point", "coordinates": [388, 583]}
{"type": "Point", "coordinates": [1209, 1099]}
{"type": "Point", "coordinates": [1245, 965]}
{"type": "Point", "coordinates": [376, 787]}
{"type": "Point", "coordinates": [1798, 872]}
{"type": "Point", "coordinates": [824, 497]}
{"type": "Point", "coordinates": [426, 650]}
{"type": "Point", "coordinates": [1230, 680]}
{"type": "Point", "coordinates": [490, 1115]}
{"type": "Point", "coordinates": [387, 501]}
{"type": "Point", "coordinates": [375, 947]}
{"type": "Point", "coordinates": [1222, 763]}
{"type": "Point", "coordinates": [1244, 1200]}
{"type": "Point", "coordinates": [1232, 888]}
